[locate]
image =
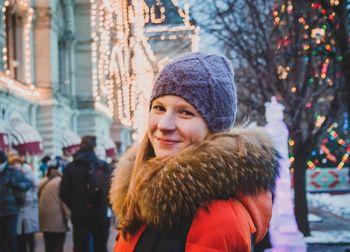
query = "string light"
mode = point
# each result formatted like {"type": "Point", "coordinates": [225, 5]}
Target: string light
{"type": "Point", "coordinates": [334, 137]}
{"type": "Point", "coordinates": [27, 13]}
{"type": "Point", "coordinates": [319, 121]}
{"type": "Point", "coordinates": [102, 24]}
{"type": "Point", "coordinates": [4, 49]}
{"type": "Point", "coordinates": [132, 61]}
{"type": "Point", "coordinates": [27, 47]}
{"type": "Point", "coordinates": [161, 8]}
{"type": "Point", "coordinates": [318, 48]}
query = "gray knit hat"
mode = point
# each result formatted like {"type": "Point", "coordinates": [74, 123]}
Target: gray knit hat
{"type": "Point", "coordinates": [206, 82]}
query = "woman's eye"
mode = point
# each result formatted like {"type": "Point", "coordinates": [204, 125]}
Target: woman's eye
{"type": "Point", "coordinates": [186, 113]}
{"type": "Point", "coordinates": [158, 108]}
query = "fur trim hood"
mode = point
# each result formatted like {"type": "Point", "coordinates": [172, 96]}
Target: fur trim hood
{"type": "Point", "coordinates": [165, 191]}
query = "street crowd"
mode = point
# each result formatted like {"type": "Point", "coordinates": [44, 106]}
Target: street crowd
{"type": "Point", "coordinates": [30, 203]}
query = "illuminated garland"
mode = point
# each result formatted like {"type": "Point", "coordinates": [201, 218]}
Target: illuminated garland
{"type": "Point", "coordinates": [24, 6]}
{"type": "Point", "coordinates": [27, 46]}
{"type": "Point", "coordinates": [101, 25]}
{"type": "Point", "coordinates": [131, 70]}
{"type": "Point", "coordinates": [4, 49]}
{"type": "Point", "coordinates": [317, 35]}
{"type": "Point", "coordinates": [317, 43]}
{"type": "Point", "coordinates": [334, 136]}
{"type": "Point", "coordinates": [123, 71]}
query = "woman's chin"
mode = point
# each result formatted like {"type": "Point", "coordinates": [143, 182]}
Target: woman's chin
{"type": "Point", "coordinates": [162, 153]}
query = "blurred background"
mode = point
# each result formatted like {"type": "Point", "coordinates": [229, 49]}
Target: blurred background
{"type": "Point", "coordinates": [73, 68]}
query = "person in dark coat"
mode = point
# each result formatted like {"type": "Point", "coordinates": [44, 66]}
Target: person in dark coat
{"type": "Point", "coordinates": [43, 165]}
{"type": "Point", "coordinates": [89, 219]}
{"type": "Point", "coordinates": [10, 180]}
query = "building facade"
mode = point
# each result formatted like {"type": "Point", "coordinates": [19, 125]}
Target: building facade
{"type": "Point", "coordinates": [46, 76]}
{"type": "Point", "coordinates": [72, 68]}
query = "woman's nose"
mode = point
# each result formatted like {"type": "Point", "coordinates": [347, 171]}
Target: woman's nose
{"type": "Point", "coordinates": [167, 122]}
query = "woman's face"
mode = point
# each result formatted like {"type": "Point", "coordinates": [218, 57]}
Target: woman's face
{"type": "Point", "coordinates": [173, 125]}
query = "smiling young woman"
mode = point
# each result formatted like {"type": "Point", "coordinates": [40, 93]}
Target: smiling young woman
{"type": "Point", "coordinates": [173, 125]}
{"type": "Point", "coordinates": [194, 183]}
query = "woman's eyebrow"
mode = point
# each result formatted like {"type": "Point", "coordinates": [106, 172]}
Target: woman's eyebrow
{"type": "Point", "coordinates": [157, 103]}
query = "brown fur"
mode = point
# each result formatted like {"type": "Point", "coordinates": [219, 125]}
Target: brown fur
{"type": "Point", "coordinates": [164, 191]}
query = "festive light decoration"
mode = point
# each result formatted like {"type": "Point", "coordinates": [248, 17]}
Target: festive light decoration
{"type": "Point", "coordinates": [331, 147]}
{"type": "Point", "coordinates": [132, 63]}
{"type": "Point", "coordinates": [163, 31]}
{"type": "Point", "coordinates": [161, 9]}
{"type": "Point", "coordinates": [4, 49]}
{"type": "Point", "coordinates": [318, 47]}
{"type": "Point", "coordinates": [26, 89]}
{"type": "Point", "coordinates": [27, 45]}
{"type": "Point", "coordinates": [123, 63]}
{"type": "Point", "coordinates": [27, 13]}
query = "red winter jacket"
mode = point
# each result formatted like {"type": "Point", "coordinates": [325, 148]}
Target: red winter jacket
{"type": "Point", "coordinates": [159, 192]}
{"type": "Point", "coordinates": [227, 226]}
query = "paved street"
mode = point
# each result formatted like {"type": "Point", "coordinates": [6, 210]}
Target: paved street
{"type": "Point", "coordinates": [330, 222]}
{"type": "Point", "coordinates": [68, 246]}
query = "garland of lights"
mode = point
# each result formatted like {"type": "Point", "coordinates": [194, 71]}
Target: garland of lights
{"type": "Point", "coordinates": [129, 70]}
{"type": "Point", "coordinates": [125, 70]}
{"type": "Point", "coordinates": [316, 32]}
{"type": "Point", "coordinates": [333, 135]}
{"type": "Point", "coordinates": [324, 149]}
{"type": "Point", "coordinates": [132, 58]}
{"type": "Point", "coordinates": [4, 49]}
{"type": "Point", "coordinates": [101, 26]}
{"type": "Point", "coordinates": [23, 5]}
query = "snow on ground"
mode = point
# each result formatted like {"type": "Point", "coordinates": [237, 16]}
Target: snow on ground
{"type": "Point", "coordinates": [328, 237]}
{"type": "Point", "coordinates": [314, 218]}
{"type": "Point", "coordinates": [337, 204]}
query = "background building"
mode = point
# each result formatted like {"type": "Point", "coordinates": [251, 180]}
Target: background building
{"type": "Point", "coordinates": [71, 68]}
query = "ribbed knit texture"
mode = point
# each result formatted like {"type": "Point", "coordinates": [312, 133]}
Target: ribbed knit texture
{"type": "Point", "coordinates": [206, 82]}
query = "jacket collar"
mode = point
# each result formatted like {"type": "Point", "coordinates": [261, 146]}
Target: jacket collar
{"type": "Point", "coordinates": [164, 191]}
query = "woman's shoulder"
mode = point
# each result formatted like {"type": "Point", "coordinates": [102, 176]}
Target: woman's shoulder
{"type": "Point", "coordinates": [222, 225]}
{"type": "Point", "coordinates": [223, 213]}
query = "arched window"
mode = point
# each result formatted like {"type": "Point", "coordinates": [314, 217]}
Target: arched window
{"type": "Point", "coordinates": [14, 27]}
{"type": "Point", "coordinates": [65, 62]}
{"type": "Point", "coordinates": [65, 46]}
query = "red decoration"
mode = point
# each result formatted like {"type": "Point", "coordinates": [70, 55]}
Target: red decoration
{"type": "Point", "coordinates": [31, 148]}
{"type": "Point", "coordinates": [70, 150]}
{"type": "Point", "coordinates": [112, 152]}
{"type": "Point", "coordinates": [316, 5]}
{"type": "Point", "coordinates": [283, 42]}
{"type": "Point", "coordinates": [3, 141]}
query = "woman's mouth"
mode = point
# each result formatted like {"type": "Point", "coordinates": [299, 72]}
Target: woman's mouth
{"type": "Point", "coordinates": [167, 142]}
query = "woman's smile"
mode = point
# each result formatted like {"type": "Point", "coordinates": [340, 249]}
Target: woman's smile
{"type": "Point", "coordinates": [167, 142]}
{"type": "Point", "coordinates": [173, 125]}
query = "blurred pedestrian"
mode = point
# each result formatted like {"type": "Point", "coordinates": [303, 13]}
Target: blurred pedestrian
{"type": "Point", "coordinates": [28, 218]}
{"type": "Point", "coordinates": [67, 157]}
{"type": "Point", "coordinates": [53, 213]}
{"type": "Point", "coordinates": [12, 181]}
{"type": "Point", "coordinates": [194, 183]}
{"type": "Point", "coordinates": [43, 165]}
{"type": "Point", "coordinates": [87, 202]}
{"type": "Point", "coordinates": [100, 152]}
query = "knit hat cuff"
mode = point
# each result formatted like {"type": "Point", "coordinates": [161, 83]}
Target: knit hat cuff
{"type": "Point", "coordinates": [185, 94]}
{"type": "Point", "coordinates": [221, 123]}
